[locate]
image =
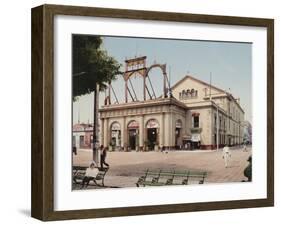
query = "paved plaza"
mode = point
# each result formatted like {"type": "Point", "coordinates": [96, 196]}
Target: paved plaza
{"type": "Point", "coordinates": [127, 167]}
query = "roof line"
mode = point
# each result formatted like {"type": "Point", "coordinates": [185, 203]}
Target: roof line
{"type": "Point", "coordinates": [204, 83]}
{"type": "Point", "coordinates": [197, 80]}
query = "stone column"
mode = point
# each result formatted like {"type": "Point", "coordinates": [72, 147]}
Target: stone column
{"type": "Point", "coordinates": [124, 135]}
{"type": "Point", "coordinates": [162, 131]}
{"type": "Point", "coordinates": [141, 130]}
{"type": "Point", "coordinates": [105, 140]}
{"type": "Point", "coordinates": [166, 128]}
{"type": "Point", "coordinates": [172, 131]}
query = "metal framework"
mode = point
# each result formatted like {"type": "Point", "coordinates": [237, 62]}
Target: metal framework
{"type": "Point", "coordinates": [137, 66]}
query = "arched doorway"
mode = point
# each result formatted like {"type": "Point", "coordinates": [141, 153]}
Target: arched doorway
{"type": "Point", "coordinates": [115, 135]}
{"type": "Point", "coordinates": [178, 142]}
{"type": "Point", "coordinates": [152, 127]}
{"type": "Point", "coordinates": [133, 133]}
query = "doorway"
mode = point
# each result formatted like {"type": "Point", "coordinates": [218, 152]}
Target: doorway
{"type": "Point", "coordinates": [178, 136]}
{"type": "Point", "coordinates": [132, 139]}
{"type": "Point", "coordinates": [151, 137]}
{"type": "Point", "coordinates": [133, 131]}
{"type": "Point", "coordinates": [115, 135]}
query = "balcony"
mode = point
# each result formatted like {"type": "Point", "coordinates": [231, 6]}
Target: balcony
{"type": "Point", "coordinates": [196, 130]}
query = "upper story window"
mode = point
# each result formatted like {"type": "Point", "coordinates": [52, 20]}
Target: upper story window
{"type": "Point", "coordinates": [188, 94]}
{"type": "Point", "coordinates": [195, 120]}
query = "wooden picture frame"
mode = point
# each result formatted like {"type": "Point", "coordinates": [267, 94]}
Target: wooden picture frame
{"type": "Point", "coordinates": [43, 112]}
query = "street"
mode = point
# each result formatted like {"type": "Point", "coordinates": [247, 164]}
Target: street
{"type": "Point", "coordinates": [127, 167]}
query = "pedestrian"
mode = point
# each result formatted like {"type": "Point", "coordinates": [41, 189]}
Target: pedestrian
{"type": "Point", "coordinates": [226, 155]}
{"type": "Point", "coordinates": [74, 150]}
{"type": "Point", "coordinates": [90, 174]}
{"type": "Point", "coordinates": [244, 147]}
{"type": "Point", "coordinates": [103, 157]}
{"type": "Point", "coordinates": [248, 169]}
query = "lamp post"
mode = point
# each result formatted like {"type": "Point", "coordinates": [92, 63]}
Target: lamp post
{"type": "Point", "coordinates": [217, 124]}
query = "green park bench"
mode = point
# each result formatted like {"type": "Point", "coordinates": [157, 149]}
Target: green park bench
{"type": "Point", "coordinates": [78, 174]}
{"type": "Point", "coordinates": [163, 177]}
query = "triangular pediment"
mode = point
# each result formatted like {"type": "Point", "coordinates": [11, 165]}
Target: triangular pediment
{"type": "Point", "coordinates": [193, 89]}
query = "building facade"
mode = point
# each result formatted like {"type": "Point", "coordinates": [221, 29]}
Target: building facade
{"type": "Point", "coordinates": [82, 136]}
{"type": "Point", "coordinates": [196, 116]}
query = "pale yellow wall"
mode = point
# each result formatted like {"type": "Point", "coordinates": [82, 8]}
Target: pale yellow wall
{"type": "Point", "coordinates": [166, 133]}
{"type": "Point", "coordinates": [205, 123]}
{"type": "Point", "coordinates": [189, 83]}
{"type": "Point", "coordinates": [232, 111]}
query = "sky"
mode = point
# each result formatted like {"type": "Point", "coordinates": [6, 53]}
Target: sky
{"type": "Point", "coordinates": [229, 63]}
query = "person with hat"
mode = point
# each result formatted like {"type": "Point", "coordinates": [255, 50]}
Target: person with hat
{"type": "Point", "coordinates": [103, 157]}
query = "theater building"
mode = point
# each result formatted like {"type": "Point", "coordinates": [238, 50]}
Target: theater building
{"type": "Point", "coordinates": [192, 114]}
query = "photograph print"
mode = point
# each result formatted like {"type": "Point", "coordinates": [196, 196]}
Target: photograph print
{"type": "Point", "coordinates": [152, 112]}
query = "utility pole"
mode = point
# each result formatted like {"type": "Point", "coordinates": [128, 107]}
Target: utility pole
{"type": "Point", "coordinates": [95, 124]}
{"type": "Point", "coordinates": [210, 93]}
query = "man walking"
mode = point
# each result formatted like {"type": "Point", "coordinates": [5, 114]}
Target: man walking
{"type": "Point", "coordinates": [226, 155]}
{"type": "Point", "coordinates": [103, 156]}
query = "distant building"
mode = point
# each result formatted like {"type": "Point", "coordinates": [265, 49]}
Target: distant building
{"type": "Point", "coordinates": [82, 136]}
{"type": "Point", "coordinates": [247, 132]}
{"type": "Point", "coordinates": [196, 117]}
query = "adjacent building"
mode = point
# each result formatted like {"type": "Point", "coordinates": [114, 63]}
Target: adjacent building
{"type": "Point", "coordinates": [82, 136]}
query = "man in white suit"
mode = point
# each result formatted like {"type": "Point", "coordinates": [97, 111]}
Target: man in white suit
{"type": "Point", "coordinates": [226, 155]}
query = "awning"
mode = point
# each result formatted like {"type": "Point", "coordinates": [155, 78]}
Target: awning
{"type": "Point", "coordinates": [196, 137]}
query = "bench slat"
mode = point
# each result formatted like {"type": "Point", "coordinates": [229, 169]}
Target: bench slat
{"type": "Point", "coordinates": [160, 178]}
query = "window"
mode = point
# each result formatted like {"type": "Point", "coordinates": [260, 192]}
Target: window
{"type": "Point", "coordinates": [186, 94]}
{"type": "Point", "coordinates": [192, 92]}
{"type": "Point", "coordinates": [215, 124]}
{"type": "Point", "coordinates": [196, 121]}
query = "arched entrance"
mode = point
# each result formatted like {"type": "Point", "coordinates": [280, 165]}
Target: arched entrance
{"type": "Point", "coordinates": [133, 133]}
{"type": "Point", "coordinates": [115, 135]}
{"type": "Point", "coordinates": [178, 142]}
{"type": "Point", "coordinates": [152, 128]}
